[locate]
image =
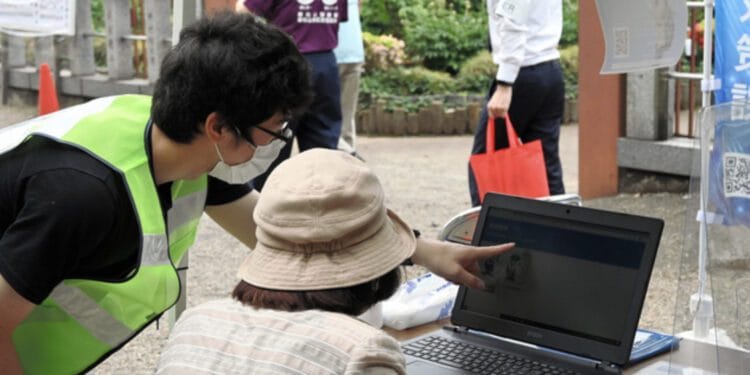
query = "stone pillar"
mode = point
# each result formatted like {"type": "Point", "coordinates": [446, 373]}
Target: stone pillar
{"type": "Point", "coordinates": [119, 49]}
{"type": "Point", "coordinates": [81, 47]}
{"type": "Point", "coordinates": [647, 105]}
{"type": "Point", "coordinates": [44, 52]}
{"type": "Point", "coordinates": [158, 34]}
{"type": "Point", "coordinates": [16, 49]}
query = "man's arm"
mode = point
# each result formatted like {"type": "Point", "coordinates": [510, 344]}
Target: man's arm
{"type": "Point", "coordinates": [499, 102]}
{"type": "Point", "coordinates": [13, 310]}
{"type": "Point", "coordinates": [508, 51]}
{"type": "Point", "coordinates": [236, 217]}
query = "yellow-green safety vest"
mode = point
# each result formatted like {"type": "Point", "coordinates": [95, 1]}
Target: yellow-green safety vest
{"type": "Point", "coordinates": [83, 321]}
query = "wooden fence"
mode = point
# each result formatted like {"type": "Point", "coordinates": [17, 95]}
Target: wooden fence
{"type": "Point", "coordinates": [443, 116]}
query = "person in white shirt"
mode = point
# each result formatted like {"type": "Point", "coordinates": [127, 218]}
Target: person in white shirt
{"type": "Point", "coordinates": [528, 86]}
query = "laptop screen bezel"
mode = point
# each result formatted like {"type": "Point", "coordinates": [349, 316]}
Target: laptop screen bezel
{"type": "Point", "coordinates": [597, 350]}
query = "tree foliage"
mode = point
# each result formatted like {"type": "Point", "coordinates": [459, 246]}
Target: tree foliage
{"type": "Point", "coordinates": [440, 37]}
{"type": "Point", "coordinates": [570, 23]}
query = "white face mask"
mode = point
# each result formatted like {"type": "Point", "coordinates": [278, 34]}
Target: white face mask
{"type": "Point", "coordinates": [241, 173]}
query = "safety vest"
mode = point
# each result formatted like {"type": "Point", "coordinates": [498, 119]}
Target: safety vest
{"type": "Point", "coordinates": [83, 321]}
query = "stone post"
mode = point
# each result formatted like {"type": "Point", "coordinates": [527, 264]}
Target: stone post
{"type": "Point", "coordinates": [647, 105]}
{"type": "Point", "coordinates": [119, 48]}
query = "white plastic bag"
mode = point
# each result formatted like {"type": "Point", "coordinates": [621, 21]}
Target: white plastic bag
{"type": "Point", "coordinates": [424, 299]}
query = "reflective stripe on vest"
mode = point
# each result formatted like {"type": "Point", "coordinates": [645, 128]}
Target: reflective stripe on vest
{"type": "Point", "coordinates": [88, 313]}
{"type": "Point", "coordinates": [82, 321]}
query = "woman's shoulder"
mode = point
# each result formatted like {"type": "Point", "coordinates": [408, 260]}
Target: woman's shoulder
{"type": "Point", "coordinates": [340, 321]}
{"type": "Point", "coordinates": [314, 323]}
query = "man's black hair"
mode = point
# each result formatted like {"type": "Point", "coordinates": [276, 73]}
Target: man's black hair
{"type": "Point", "coordinates": [234, 64]}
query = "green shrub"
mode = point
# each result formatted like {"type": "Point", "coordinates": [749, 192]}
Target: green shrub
{"type": "Point", "coordinates": [465, 5]}
{"type": "Point", "coordinates": [570, 23]}
{"type": "Point", "coordinates": [423, 81]}
{"type": "Point", "coordinates": [381, 16]}
{"type": "Point", "coordinates": [476, 73]}
{"type": "Point", "coordinates": [569, 62]}
{"type": "Point", "coordinates": [97, 15]}
{"type": "Point", "coordinates": [382, 51]}
{"type": "Point", "coordinates": [100, 52]}
{"type": "Point", "coordinates": [442, 38]}
{"type": "Point", "coordinates": [97, 22]}
{"type": "Point", "coordinates": [406, 81]}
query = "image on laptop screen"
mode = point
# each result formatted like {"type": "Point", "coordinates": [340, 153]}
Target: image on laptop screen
{"type": "Point", "coordinates": [567, 283]}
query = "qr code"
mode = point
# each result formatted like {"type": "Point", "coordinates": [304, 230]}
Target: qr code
{"type": "Point", "coordinates": [622, 41]}
{"type": "Point", "coordinates": [736, 175]}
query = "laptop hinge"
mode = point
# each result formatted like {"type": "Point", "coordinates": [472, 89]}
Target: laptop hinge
{"type": "Point", "coordinates": [458, 329]}
{"type": "Point", "coordinates": [609, 368]}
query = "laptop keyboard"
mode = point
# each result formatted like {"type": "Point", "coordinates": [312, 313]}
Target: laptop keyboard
{"type": "Point", "coordinates": [476, 359]}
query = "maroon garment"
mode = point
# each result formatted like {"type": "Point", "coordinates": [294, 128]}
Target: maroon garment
{"type": "Point", "coordinates": [313, 24]}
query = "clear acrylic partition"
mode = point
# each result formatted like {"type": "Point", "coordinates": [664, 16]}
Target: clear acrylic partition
{"type": "Point", "coordinates": [712, 308]}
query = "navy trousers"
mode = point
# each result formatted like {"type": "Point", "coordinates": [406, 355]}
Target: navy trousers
{"type": "Point", "coordinates": [536, 111]}
{"type": "Point", "coordinates": [320, 126]}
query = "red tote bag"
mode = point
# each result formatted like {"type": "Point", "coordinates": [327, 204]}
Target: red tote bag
{"type": "Point", "coordinates": [516, 170]}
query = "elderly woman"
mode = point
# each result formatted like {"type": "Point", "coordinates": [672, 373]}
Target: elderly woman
{"type": "Point", "coordinates": [327, 251]}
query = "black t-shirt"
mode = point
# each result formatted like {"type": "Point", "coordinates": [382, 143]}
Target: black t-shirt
{"type": "Point", "coordinates": [65, 215]}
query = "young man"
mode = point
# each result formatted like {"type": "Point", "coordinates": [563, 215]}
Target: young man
{"type": "Point", "coordinates": [529, 84]}
{"type": "Point", "coordinates": [100, 201]}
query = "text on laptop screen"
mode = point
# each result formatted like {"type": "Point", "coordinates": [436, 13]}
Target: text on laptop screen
{"type": "Point", "coordinates": [563, 275]}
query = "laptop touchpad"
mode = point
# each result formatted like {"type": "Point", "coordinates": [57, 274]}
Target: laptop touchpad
{"type": "Point", "coordinates": [420, 367]}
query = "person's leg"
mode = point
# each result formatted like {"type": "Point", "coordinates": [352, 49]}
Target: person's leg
{"type": "Point", "coordinates": [349, 75]}
{"type": "Point", "coordinates": [536, 111]}
{"type": "Point", "coordinates": [321, 125]}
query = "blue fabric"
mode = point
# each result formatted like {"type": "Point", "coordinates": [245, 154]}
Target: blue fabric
{"type": "Point", "coordinates": [536, 111]}
{"type": "Point", "coordinates": [729, 181]}
{"type": "Point", "coordinates": [350, 49]}
{"type": "Point", "coordinates": [732, 62]}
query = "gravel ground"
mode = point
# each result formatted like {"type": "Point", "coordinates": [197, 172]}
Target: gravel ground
{"type": "Point", "coordinates": [425, 182]}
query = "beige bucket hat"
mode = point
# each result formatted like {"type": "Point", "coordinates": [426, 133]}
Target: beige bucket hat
{"type": "Point", "coordinates": [322, 224]}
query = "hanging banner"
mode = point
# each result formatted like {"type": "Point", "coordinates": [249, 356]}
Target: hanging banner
{"type": "Point", "coordinates": [732, 58]}
{"type": "Point", "coordinates": [38, 16]}
{"type": "Point", "coordinates": [641, 34]}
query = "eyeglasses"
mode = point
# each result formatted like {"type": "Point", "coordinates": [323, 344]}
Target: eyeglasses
{"type": "Point", "coordinates": [285, 134]}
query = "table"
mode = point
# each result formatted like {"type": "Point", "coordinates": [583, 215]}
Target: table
{"type": "Point", "coordinates": [691, 353]}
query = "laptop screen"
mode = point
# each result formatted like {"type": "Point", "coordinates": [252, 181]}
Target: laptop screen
{"type": "Point", "coordinates": [575, 280]}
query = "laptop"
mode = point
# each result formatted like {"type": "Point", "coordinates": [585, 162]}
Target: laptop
{"type": "Point", "coordinates": [565, 300]}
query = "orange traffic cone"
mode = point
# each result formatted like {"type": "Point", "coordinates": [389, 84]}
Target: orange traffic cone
{"type": "Point", "coordinates": [47, 100]}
